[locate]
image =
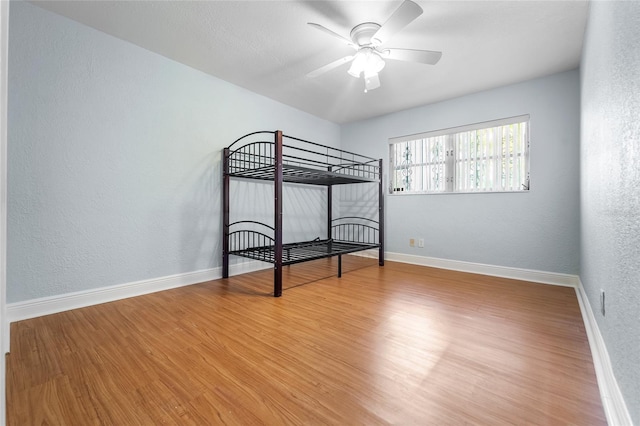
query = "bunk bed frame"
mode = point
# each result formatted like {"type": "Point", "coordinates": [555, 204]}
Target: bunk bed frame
{"type": "Point", "coordinates": [265, 156]}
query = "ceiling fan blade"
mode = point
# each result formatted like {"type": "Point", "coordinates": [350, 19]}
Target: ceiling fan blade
{"type": "Point", "coordinates": [428, 57]}
{"type": "Point", "coordinates": [407, 12]}
{"type": "Point", "coordinates": [371, 82]}
{"type": "Point", "coordinates": [329, 66]}
{"type": "Point", "coordinates": [332, 33]}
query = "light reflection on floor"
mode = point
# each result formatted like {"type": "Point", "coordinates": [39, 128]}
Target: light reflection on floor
{"type": "Point", "coordinates": [411, 343]}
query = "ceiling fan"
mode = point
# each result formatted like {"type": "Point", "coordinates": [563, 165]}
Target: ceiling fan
{"type": "Point", "coordinates": [367, 40]}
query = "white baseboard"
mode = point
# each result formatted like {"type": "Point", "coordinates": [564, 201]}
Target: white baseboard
{"type": "Point", "coordinates": [612, 400]}
{"type": "Point", "coordinates": [50, 305]}
{"type": "Point", "coordinates": [543, 277]}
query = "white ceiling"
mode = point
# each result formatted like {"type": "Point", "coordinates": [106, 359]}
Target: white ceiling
{"type": "Point", "coordinates": [267, 47]}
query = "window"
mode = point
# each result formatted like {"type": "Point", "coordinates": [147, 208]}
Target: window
{"type": "Point", "coordinates": [484, 157]}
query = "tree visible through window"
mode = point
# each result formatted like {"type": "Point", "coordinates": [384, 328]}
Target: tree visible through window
{"type": "Point", "coordinates": [485, 157]}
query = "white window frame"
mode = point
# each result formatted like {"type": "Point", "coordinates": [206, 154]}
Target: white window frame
{"type": "Point", "coordinates": [441, 155]}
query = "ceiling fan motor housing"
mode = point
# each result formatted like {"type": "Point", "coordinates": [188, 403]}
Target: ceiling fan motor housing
{"type": "Point", "coordinates": [361, 34]}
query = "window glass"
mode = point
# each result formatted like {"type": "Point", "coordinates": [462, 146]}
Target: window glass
{"type": "Point", "coordinates": [485, 157]}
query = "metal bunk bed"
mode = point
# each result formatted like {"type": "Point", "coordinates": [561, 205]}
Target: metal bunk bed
{"type": "Point", "coordinates": [272, 156]}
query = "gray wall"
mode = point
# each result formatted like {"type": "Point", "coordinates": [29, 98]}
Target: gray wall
{"type": "Point", "coordinates": [536, 230]}
{"type": "Point", "coordinates": [114, 160]}
{"type": "Point", "coordinates": [610, 182]}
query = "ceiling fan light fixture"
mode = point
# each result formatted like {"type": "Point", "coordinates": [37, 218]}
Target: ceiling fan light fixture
{"type": "Point", "coordinates": [375, 63]}
{"type": "Point", "coordinates": [366, 61]}
{"type": "Point", "coordinates": [358, 65]}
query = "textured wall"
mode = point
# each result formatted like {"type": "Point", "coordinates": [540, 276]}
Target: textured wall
{"type": "Point", "coordinates": [535, 230]}
{"type": "Point", "coordinates": [114, 159]}
{"type": "Point", "coordinates": [610, 182]}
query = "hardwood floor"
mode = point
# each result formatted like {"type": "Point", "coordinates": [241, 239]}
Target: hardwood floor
{"type": "Point", "coordinates": [400, 344]}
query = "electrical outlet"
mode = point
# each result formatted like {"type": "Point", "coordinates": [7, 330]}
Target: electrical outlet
{"type": "Point", "coordinates": [602, 302]}
{"type": "Point", "coordinates": [421, 243]}
{"type": "Point", "coordinates": [412, 242]}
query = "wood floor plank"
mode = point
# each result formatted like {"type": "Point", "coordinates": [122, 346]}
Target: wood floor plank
{"type": "Point", "coordinates": [402, 344]}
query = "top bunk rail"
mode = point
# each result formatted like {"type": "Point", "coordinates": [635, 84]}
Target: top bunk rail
{"type": "Point", "coordinates": [253, 156]}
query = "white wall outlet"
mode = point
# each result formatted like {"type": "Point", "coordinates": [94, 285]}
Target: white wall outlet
{"type": "Point", "coordinates": [412, 242]}
{"type": "Point", "coordinates": [421, 243]}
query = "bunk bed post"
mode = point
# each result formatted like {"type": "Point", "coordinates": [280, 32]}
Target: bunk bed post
{"type": "Point", "coordinates": [225, 213]}
{"type": "Point", "coordinates": [380, 215]}
{"type": "Point", "coordinates": [277, 271]}
{"type": "Point", "coordinates": [329, 208]}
